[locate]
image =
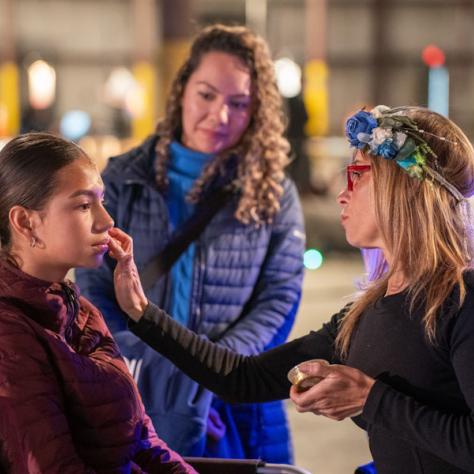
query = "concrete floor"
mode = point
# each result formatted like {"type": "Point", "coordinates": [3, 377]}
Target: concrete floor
{"type": "Point", "coordinates": [324, 446]}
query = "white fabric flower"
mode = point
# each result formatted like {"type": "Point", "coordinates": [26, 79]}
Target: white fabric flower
{"type": "Point", "coordinates": [399, 139]}
{"type": "Point", "coordinates": [363, 137]}
{"type": "Point", "coordinates": [378, 111]}
{"type": "Point", "coordinates": [379, 135]}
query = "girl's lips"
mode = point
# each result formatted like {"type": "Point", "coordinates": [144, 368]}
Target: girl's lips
{"type": "Point", "coordinates": [102, 248]}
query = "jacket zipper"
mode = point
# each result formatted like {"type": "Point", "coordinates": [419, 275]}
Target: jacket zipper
{"type": "Point", "coordinates": [198, 272]}
{"type": "Point", "coordinates": [72, 306]}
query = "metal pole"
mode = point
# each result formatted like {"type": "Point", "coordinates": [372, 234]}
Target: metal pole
{"type": "Point", "coordinates": [316, 69]}
{"type": "Point", "coordinates": [177, 28]}
{"type": "Point", "coordinates": [315, 31]}
{"type": "Point", "coordinates": [256, 16]}
{"type": "Point", "coordinates": [7, 44]}
{"type": "Point", "coordinates": [145, 18]}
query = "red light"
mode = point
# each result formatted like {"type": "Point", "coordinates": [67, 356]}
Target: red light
{"type": "Point", "coordinates": [433, 56]}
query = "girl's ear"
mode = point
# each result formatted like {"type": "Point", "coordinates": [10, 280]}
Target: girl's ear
{"type": "Point", "coordinates": [23, 223]}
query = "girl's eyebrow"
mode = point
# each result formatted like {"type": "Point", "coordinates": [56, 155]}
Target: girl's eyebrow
{"type": "Point", "coordinates": [87, 192]}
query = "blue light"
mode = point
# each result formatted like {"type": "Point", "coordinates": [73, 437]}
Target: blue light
{"type": "Point", "coordinates": [438, 90]}
{"type": "Point", "coordinates": [313, 259]}
{"type": "Point", "coordinates": [75, 124]}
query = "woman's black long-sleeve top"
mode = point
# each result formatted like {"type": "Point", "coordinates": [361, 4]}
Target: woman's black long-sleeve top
{"type": "Point", "coordinates": [419, 413]}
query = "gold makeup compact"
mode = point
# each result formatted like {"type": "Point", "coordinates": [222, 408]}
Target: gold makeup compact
{"type": "Point", "coordinates": [300, 379]}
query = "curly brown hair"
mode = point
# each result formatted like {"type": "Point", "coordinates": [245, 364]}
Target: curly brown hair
{"type": "Point", "coordinates": [262, 149]}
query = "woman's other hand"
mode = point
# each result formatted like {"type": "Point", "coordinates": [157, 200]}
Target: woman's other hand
{"type": "Point", "coordinates": [215, 428]}
{"type": "Point", "coordinates": [342, 393]}
{"type": "Point", "coordinates": [128, 288]}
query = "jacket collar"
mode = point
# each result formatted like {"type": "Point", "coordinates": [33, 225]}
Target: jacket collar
{"type": "Point", "coordinates": [54, 306]}
{"type": "Point", "coordinates": [141, 169]}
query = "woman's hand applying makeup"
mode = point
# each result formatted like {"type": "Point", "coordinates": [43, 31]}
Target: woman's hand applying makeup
{"type": "Point", "coordinates": [128, 288]}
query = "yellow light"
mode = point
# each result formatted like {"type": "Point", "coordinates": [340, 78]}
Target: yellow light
{"type": "Point", "coordinates": [141, 104]}
{"type": "Point", "coordinates": [316, 97]}
{"type": "Point", "coordinates": [9, 99]}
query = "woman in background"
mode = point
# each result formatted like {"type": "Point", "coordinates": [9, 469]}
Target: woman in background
{"type": "Point", "coordinates": [239, 281]}
{"type": "Point", "coordinates": [67, 401]}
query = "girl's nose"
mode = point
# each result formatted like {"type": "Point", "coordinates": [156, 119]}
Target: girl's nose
{"type": "Point", "coordinates": [104, 222]}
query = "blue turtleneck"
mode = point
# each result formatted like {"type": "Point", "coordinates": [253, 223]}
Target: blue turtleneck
{"type": "Point", "coordinates": [184, 167]}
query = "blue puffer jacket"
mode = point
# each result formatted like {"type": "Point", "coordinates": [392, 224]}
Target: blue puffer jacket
{"type": "Point", "coordinates": [245, 292]}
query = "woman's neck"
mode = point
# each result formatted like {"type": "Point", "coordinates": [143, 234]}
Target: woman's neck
{"type": "Point", "coordinates": [396, 283]}
{"type": "Point", "coordinates": [187, 162]}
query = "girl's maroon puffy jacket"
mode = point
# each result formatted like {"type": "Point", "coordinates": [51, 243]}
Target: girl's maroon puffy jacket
{"type": "Point", "coordinates": [67, 401]}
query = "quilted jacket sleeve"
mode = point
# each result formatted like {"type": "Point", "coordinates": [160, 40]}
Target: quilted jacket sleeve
{"type": "Point", "coordinates": [34, 431]}
{"type": "Point", "coordinates": [156, 456]}
{"type": "Point", "coordinates": [269, 316]}
{"type": "Point", "coordinates": [97, 284]}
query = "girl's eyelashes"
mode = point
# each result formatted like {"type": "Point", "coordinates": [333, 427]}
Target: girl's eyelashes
{"type": "Point", "coordinates": [85, 206]}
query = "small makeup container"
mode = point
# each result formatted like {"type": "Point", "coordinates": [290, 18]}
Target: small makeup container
{"type": "Point", "coordinates": [302, 381]}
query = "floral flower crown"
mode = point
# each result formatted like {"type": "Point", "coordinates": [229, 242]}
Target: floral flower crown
{"type": "Point", "coordinates": [391, 135]}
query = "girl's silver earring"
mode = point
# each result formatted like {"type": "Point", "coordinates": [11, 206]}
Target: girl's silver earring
{"type": "Point", "coordinates": [33, 242]}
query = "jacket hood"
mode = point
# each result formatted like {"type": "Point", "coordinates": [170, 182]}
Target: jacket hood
{"type": "Point", "coordinates": [136, 165]}
{"type": "Point", "coordinates": [52, 305]}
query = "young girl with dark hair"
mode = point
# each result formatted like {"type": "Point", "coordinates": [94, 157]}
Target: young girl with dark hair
{"type": "Point", "coordinates": [67, 401]}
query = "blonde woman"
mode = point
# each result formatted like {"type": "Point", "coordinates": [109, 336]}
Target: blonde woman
{"type": "Point", "coordinates": [239, 281]}
{"type": "Point", "coordinates": [401, 355]}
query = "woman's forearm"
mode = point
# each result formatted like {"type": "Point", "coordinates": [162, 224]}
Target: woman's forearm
{"type": "Point", "coordinates": [230, 375]}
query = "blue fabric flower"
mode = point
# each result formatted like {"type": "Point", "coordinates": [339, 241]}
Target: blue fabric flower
{"type": "Point", "coordinates": [387, 149]}
{"type": "Point", "coordinates": [361, 123]}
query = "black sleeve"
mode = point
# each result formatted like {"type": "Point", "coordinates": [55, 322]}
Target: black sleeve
{"type": "Point", "coordinates": [232, 376]}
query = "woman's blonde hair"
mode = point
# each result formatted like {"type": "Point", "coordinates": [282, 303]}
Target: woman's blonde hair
{"type": "Point", "coordinates": [426, 231]}
{"type": "Point", "coordinates": [262, 150]}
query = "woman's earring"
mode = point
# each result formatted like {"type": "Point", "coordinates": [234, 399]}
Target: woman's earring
{"type": "Point", "coordinates": [33, 242]}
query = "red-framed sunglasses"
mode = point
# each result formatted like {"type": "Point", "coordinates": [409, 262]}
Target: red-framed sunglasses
{"type": "Point", "coordinates": [354, 173]}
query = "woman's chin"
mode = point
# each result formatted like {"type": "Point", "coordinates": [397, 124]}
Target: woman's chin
{"type": "Point", "coordinates": [353, 242]}
{"type": "Point", "coordinates": [361, 243]}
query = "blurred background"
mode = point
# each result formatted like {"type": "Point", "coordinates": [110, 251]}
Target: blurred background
{"type": "Point", "coordinates": [98, 72]}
